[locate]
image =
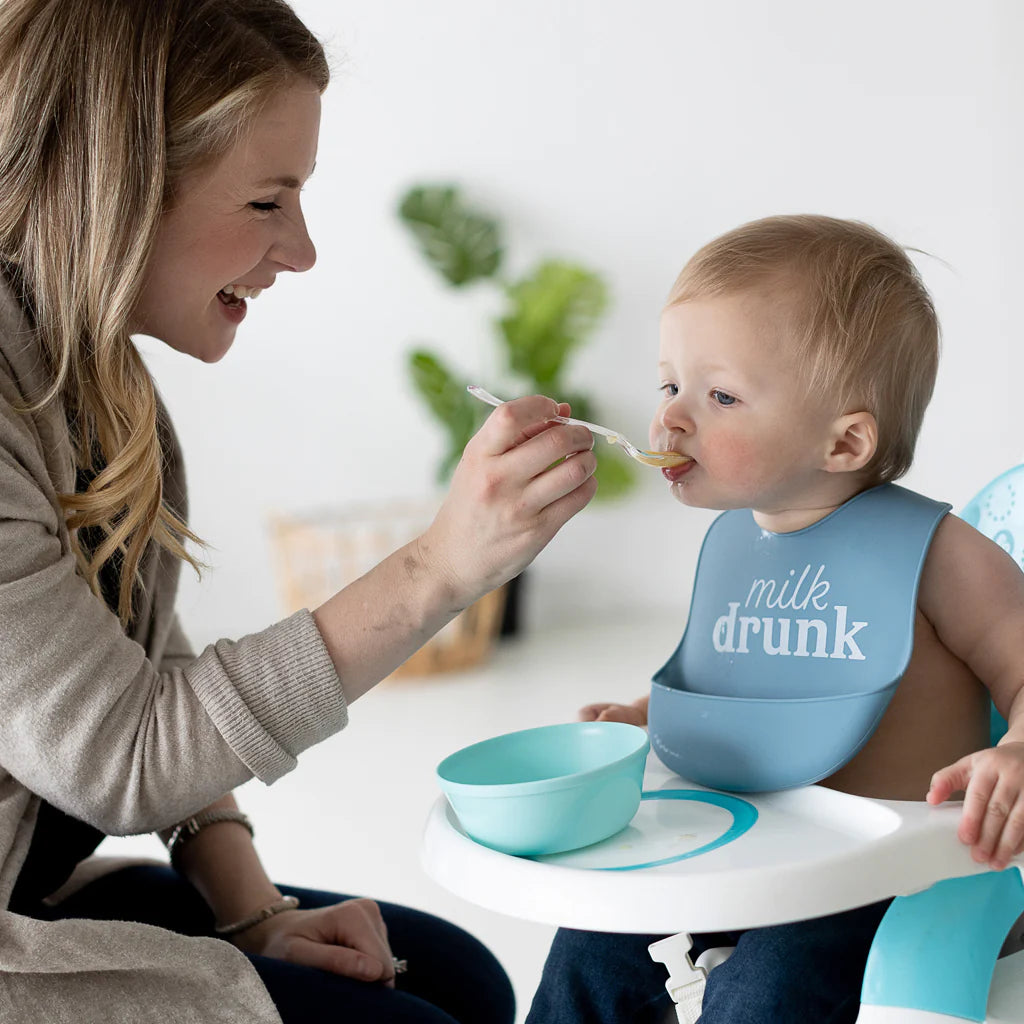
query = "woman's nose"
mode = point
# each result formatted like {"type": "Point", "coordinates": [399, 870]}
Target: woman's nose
{"type": "Point", "coordinates": [296, 250]}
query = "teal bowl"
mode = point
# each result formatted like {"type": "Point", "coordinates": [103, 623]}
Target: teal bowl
{"type": "Point", "coordinates": [547, 790]}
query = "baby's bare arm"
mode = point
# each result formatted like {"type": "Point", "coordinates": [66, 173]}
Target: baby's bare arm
{"type": "Point", "coordinates": [973, 594]}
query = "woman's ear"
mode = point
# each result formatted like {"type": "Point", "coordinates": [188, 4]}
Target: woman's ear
{"type": "Point", "coordinates": [853, 441]}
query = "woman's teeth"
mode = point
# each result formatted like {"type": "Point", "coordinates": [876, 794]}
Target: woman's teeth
{"type": "Point", "coordinates": [238, 292]}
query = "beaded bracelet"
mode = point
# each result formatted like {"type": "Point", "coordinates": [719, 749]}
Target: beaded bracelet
{"type": "Point", "coordinates": [190, 827]}
{"type": "Point", "coordinates": [277, 907]}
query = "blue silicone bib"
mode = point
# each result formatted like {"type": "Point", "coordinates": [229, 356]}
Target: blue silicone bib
{"type": "Point", "coordinates": [795, 643]}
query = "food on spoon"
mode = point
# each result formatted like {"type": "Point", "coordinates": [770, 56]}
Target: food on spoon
{"type": "Point", "coordinates": [665, 459]}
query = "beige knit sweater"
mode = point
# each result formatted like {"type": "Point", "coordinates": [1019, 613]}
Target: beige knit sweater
{"type": "Point", "coordinates": [128, 733]}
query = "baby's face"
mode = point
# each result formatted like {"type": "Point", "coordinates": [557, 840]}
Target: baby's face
{"type": "Point", "coordinates": [733, 399]}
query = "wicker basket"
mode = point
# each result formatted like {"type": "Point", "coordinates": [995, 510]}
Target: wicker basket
{"type": "Point", "coordinates": [318, 555]}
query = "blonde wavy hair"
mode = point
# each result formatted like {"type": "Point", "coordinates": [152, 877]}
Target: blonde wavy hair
{"type": "Point", "coordinates": [105, 105]}
{"type": "Point", "coordinates": [861, 321]}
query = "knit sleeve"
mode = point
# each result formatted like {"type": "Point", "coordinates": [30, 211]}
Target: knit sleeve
{"type": "Point", "coordinates": [177, 652]}
{"type": "Point", "coordinates": [90, 723]}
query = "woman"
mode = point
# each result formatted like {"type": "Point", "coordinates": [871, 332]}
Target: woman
{"type": "Point", "coordinates": [151, 155]}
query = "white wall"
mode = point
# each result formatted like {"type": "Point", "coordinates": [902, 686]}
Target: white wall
{"type": "Point", "coordinates": [625, 135]}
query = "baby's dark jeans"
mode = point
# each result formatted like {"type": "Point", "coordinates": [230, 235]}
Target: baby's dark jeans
{"type": "Point", "coordinates": [808, 972]}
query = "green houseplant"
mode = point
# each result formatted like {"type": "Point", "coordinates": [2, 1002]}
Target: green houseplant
{"type": "Point", "coordinates": [548, 314]}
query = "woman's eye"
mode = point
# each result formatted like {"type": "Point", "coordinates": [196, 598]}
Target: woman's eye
{"type": "Point", "coordinates": [669, 390]}
{"type": "Point", "coordinates": [722, 398]}
{"type": "Point", "coordinates": [265, 207]}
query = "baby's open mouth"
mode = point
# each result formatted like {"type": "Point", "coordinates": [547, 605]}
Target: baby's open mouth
{"type": "Point", "coordinates": [679, 470]}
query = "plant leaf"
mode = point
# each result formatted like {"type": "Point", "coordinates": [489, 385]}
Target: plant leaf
{"type": "Point", "coordinates": [446, 397]}
{"type": "Point", "coordinates": [462, 244]}
{"type": "Point", "coordinates": [553, 311]}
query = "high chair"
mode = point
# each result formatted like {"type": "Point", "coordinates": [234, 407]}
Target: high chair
{"type": "Point", "coordinates": [949, 949]}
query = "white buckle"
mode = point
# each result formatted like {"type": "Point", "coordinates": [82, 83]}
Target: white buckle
{"type": "Point", "coordinates": [685, 982]}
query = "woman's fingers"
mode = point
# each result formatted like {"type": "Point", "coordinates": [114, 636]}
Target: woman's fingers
{"type": "Point", "coordinates": [351, 962]}
{"type": "Point", "coordinates": [538, 458]}
{"type": "Point", "coordinates": [520, 463]}
{"type": "Point", "coordinates": [520, 479]}
{"type": "Point", "coordinates": [525, 430]}
{"type": "Point", "coordinates": [356, 930]}
{"type": "Point", "coordinates": [512, 423]}
{"type": "Point", "coordinates": [347, 938]}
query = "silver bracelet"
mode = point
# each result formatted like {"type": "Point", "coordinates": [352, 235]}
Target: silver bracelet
{"type": "Point", "coordinates": [190, 827]}
{"type": "Point", "coordinates": [277, 907]}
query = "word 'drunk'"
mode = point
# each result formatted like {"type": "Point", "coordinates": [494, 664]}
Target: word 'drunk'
{"type": "Point", "coordinates": [809, 639]}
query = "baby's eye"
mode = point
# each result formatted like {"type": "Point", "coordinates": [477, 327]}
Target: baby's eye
{"type": "Point", "coordinates": [265, 207]}
{"type": "Point", "coordinates": [669, 390]}
{"type": "Point", "coordinates": [722, 398]}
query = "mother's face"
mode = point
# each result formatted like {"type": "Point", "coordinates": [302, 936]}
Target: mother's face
{"type": "Point", "coordinates": [234, 227]}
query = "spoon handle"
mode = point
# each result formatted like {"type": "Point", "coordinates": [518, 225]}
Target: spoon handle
{"type": "Point", "coordinates": [592, 427]}
{"type": "Point", "coordinates": [485, 396]}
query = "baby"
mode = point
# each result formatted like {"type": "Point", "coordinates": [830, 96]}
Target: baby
{"type": "Point", "coordinates": [797, 357]}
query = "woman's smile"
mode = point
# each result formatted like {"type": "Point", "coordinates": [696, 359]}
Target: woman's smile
{"type": "Point", "coordinates": [232, 307]}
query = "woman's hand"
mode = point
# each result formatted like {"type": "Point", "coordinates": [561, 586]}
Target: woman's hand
{"type": "Point", "coordinates": [520, 479]}
{"type": "Point", "coordinates": [992, 823]}
{"type": "Point", "coordinates": [349, 938]}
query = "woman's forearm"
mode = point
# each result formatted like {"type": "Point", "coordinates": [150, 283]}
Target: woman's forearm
{"type": "Point", "coordinates": [384, 617]}
{"type": "Point", "coordinates": [221, 862]}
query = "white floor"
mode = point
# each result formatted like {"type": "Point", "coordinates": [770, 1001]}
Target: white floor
{"type": "Point", "coordinates": [351, 815]}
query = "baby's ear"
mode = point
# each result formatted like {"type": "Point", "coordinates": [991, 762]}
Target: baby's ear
{"type": "Point", "coordinates": [852, 442]}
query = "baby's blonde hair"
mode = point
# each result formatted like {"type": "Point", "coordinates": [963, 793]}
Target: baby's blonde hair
{"type": "Point", "coordinates": [105, 107]}
{"type": "Point", "coordinates": [862, 322]}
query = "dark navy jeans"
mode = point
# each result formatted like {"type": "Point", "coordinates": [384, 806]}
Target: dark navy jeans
{"type": "Point", "coordinates": [451, 977]}
{"type": "Point", "coordinates": [809, 972]}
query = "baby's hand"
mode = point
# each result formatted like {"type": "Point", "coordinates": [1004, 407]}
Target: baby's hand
{"type": "Point", "coordinates": [992, 823]}
{"type": "Point", "coordinates": [631, 714]}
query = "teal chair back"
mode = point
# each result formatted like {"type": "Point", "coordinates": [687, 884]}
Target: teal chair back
{"type": "Point", "coordinates": [997, 510]}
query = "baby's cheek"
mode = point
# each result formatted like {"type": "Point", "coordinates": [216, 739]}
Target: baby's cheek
{"type": "Point", "coordinates": [734, 457]}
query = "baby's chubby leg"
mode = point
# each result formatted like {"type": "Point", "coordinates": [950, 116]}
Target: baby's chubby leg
{"type": "Point", "coordinates": [795, 973]}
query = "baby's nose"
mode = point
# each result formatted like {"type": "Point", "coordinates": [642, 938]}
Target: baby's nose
{"type": "Point", "coordinates": [675, 415]}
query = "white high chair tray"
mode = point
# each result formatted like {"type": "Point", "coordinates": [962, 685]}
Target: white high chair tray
{"type": "Point", "coordinates": [702, 861]}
